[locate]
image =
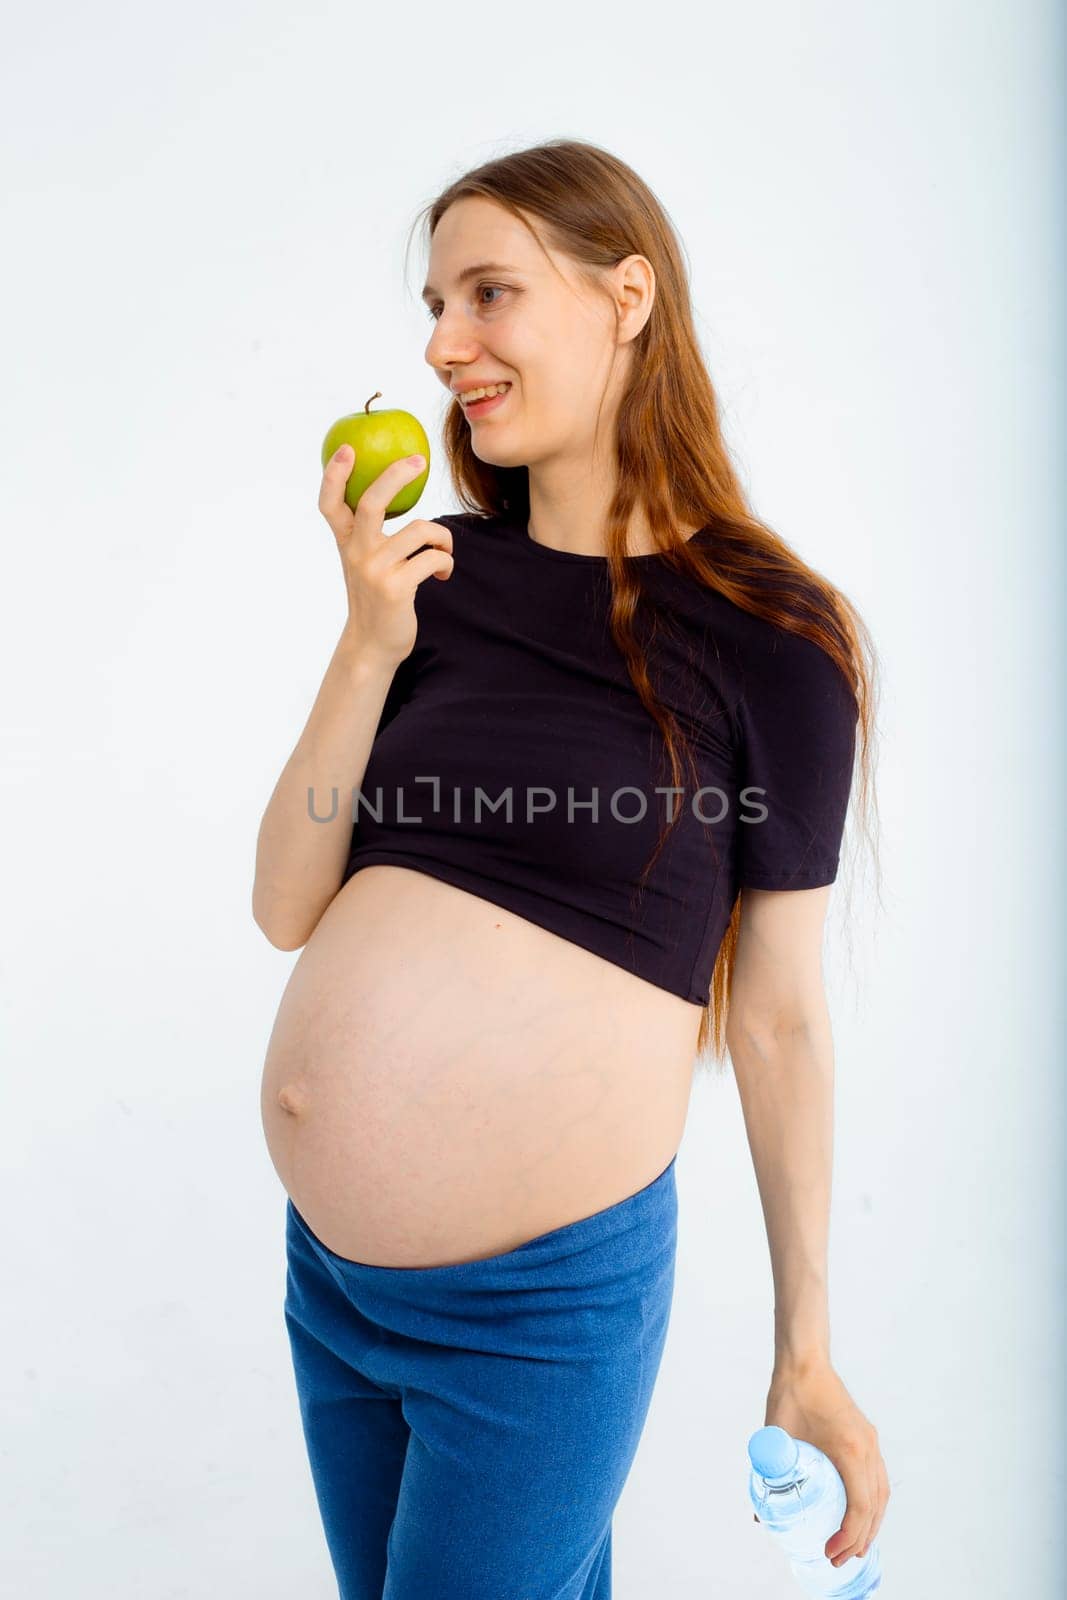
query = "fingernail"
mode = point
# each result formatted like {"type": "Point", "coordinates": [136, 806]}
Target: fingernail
{"type": "Point", "coordinates": [343, 452]}
{"type": "Point", "coordinates": [417, 461]}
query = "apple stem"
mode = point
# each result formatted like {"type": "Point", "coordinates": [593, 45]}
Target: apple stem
{"type": "Point", "coordinates": [377, 395]}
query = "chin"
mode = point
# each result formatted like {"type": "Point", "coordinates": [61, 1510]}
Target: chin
{"type": "Point", "coordinates": [496, 458]}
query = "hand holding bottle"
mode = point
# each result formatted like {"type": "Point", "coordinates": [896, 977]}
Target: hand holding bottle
{"type": "Point", "coordinates": [813, 1404]}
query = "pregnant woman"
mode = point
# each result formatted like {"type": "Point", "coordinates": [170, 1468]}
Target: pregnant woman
{"type": "Point", "coordinates": [564, 814]}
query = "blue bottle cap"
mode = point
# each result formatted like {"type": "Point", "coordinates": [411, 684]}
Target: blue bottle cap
{"type": "Point", "coordinates": [773, 1452]}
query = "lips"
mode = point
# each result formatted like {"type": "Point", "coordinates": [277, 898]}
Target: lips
{"type": "Point", "coordinates": [478, 408]}
{"type": "Point", "coordinates": [475, 383]}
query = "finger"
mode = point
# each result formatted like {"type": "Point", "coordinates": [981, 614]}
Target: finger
{"type": "Point", "coordinates": [428, 563]}
{"type": "Point", "coordinates": [411, 538]}
{"type": "Point", "coordinates": [332, 501]}
{"type": "Point", "coordinates": [336, 472]}
{"type": "Point", "coordinates": [374, 501]}
{"type": "Point", "coordinates": [864, 1520]}
{"type": "Point", "coordinates": [863, 1542]}
{"type": "Point", "coordinates": [883, 1501]}
{"type": "Point", "coordinates": [844, 1542]}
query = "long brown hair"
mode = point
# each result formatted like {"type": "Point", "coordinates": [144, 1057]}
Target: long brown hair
{"type": "Point", "coordinates": [670, 455]}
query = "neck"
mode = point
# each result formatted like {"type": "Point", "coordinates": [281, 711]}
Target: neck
{"type": "Point", "coordinates": [574, 517]}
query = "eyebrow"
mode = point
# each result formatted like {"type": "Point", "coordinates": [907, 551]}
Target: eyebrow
{"type": "Point", "coordinates": [470, 272]}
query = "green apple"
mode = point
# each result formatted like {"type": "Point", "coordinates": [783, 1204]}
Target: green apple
{"type": "Point", "coordinates": [379, 437]}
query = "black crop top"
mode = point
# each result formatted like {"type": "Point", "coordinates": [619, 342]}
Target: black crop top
{"type": "Point", "coordinates": [514, 759]}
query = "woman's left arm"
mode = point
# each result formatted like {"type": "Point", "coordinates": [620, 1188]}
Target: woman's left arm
{"type": "Point", "coordinates": [780, 1042]}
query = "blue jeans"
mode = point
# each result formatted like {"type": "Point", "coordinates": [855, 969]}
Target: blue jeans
{"type": "Point", "coordinates": [470, 1427]}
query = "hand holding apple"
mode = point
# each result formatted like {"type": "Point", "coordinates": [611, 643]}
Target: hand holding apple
{"type": "Point", "coordinates": [378, 438]}
{"type": "Point", "coordinates": [382, 570]}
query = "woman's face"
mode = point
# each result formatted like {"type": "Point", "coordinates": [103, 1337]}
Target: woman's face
{"type": "Point", "coordinates": [524, 322]}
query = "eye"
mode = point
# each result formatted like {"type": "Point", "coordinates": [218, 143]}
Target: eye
{"type": "Point", "coordinates": [434, 311]}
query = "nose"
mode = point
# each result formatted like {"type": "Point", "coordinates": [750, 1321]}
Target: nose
{"type": "Point", "coordinates": [450, 345]}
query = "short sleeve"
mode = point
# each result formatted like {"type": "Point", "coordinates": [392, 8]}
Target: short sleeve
{"type": "Point", "coordinates": [798, 739]}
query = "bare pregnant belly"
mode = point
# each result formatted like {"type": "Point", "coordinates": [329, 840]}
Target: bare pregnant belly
{"type": "Point", "coordinates": [445, 1080]}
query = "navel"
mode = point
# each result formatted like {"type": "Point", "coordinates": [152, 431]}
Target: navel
{"type": "Point", "coordinates": [291, 1099]}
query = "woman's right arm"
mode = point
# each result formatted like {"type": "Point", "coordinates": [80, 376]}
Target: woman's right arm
{"type": "Point", "coordinates": [300, 862]}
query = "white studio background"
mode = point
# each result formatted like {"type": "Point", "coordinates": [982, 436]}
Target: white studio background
{"type": "Point", "coordinates": [206, 211]}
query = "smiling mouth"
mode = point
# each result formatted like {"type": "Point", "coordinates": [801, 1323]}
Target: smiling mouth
{"type": "Point", "coordinates": [476, 408]}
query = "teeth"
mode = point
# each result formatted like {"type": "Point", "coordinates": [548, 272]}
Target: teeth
{"type": "Point", "coordinates": [480, 394]}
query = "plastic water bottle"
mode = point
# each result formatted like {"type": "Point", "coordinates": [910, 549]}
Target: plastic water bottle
{"type": "Point", "coordinates": [797, 1494]}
